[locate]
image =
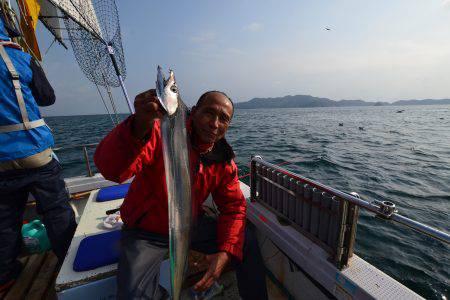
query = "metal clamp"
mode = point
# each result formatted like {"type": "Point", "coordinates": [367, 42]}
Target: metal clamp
{"type": "Point", "coordinates": [355, 194]}
{"type": "Point", "coordinates": [385, 208]}
{"type": "Point", "coordinates": [110, 49]}
{"type": "Point", "coordinates": [15, 76]}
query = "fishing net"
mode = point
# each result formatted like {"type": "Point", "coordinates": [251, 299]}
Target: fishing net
{"type": "Point", "coordinates": [93, 27]}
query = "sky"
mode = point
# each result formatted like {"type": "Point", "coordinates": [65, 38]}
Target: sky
{"type": "Point", "coordinates": [384, 50]}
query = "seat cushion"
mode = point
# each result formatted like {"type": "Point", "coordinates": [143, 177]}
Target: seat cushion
{"type": "Point", "coordinates": [97, 251]}
{"type": "Point", "coordinates": [113, 192]}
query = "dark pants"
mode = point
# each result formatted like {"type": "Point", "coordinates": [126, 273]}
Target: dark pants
{"type": "Point", "coordinates": [143, 252]}
{"type": "Point", "coordinates": [48, 188]}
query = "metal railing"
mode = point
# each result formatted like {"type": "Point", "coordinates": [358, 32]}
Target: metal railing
{"type": "Point", "coordinates": [84, 148]}
{"type": "Point", "coordinates": [322, 217]}
{"type": "Point", "coordinates": [383, 209]}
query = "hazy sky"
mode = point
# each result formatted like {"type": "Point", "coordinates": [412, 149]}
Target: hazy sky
{"type": "Point", "coordinates": [376, 50]}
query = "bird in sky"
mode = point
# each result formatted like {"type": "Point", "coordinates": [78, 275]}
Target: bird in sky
{"type": "Point", "coordinates": [326, 28]}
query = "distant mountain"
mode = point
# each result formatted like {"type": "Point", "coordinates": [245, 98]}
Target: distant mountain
{"type": "Point", "coordinates": [310, 101]}
{"type": "Point", "coordinates": [423, 102]}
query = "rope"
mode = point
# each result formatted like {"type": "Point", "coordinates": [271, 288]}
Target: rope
{"type": "Point", "coordinates": [111, 99]}
{"type": "Point", "coordinates": [46, 51]}
{"type": "Point", "coordinates": [104, 103]}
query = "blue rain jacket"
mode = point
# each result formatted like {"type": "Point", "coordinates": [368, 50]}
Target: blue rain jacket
{"type": "Point", "coordinates": [3, 35]}
{"type": "Point", "coordinates": [24, 143]}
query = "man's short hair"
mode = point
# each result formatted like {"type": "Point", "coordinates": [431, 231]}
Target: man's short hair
{"type": "Point", "coordinates": [203, 98]}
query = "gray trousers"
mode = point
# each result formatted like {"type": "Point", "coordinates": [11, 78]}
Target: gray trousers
{"type": "Point", "coordinates": [142, 253]}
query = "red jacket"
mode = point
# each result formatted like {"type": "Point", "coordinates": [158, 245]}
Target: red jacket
{"type": "Point", "coordinates": [120, 156]}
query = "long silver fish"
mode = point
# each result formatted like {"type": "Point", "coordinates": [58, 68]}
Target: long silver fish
{"type": "Point", "coordinates": [178, 180]}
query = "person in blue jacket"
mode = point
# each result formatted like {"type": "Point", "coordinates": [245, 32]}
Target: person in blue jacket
{"type": "Point", "coordinates": [27, 163]}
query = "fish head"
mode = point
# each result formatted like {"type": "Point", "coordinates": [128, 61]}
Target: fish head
{"type": "Point", "coordinates": [167, 91]}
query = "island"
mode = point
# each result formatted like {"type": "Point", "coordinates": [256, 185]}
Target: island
{"type": "Point", "coordinates": [311, 101]}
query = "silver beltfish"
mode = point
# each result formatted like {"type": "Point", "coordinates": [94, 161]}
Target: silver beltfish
{"type": "Point", "coordinates": [178, 179]}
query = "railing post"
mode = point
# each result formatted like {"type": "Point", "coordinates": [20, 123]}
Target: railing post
{"type": "Point", "coordinates": [253, 179]}
{"type": "Point", "coordinates": [342, 229]}
{"type": "Point", "coordinates": [352, 220]}
{"type": "Point", "coordinates": [88, 165]}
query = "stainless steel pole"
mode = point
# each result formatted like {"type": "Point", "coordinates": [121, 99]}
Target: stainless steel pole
{"type": "Point", "coordinates": [119, 76]}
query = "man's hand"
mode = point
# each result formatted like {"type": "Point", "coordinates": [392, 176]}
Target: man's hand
{"type": "Point", "coordinates": [217, 263]}
{"type": "Point", "coordinates": [147, 109]}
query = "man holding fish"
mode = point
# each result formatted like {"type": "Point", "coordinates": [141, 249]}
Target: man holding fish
{"type": "Point", "coordinates": [134, 148]}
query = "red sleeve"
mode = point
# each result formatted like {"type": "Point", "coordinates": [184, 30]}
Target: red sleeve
{"type": "Point", "coordinates": [232, 207]}
{"type": "Point", "coordinates": [120, 156]}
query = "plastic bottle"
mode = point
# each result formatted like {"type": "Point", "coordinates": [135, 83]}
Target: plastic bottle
{"type": "Point", "coordinates": [35, 237]}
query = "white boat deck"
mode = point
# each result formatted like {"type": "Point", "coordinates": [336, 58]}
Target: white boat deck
{"type": "Point", "coordinates": [90, 224]}
{"type": "Point", "coordinates": [360, 280]}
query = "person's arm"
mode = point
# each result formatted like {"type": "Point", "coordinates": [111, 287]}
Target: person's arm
{"type": "Point", "coordinates": [41, 89]}
{"type": "Point", "coordinates": [133, 143]}
{"type": "Point", "coordinates": [230, 226]}
{"type": "Point", "coordinates": [120, 155]}
{"type": "Point", "coordinates": [233, 208]}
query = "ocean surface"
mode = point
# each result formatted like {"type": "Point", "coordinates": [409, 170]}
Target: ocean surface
{"type": "Point", "coordinates": [401, 157]}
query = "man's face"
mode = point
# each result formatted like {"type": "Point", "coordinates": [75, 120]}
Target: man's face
{"type": "Point", "coordinates": [210, 120]}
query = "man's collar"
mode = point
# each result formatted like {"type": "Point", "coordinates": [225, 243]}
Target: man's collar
{"type": "Point", "coordinates": [220, 153]}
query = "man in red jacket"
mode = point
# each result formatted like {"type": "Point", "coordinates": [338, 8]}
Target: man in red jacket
{"type": "Point", "coordinates": [133, 148]}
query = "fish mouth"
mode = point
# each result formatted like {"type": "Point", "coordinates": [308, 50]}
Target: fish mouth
{"type": "Point", "coordinates": [167, 91]}
{"type": "Point", "coordinates": [160, 84]}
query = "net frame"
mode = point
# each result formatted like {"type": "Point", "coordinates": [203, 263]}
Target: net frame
{"type": "Point", "coordinates": [93, 27]}
{"type": "Point", "coordinates": [94, 32]}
